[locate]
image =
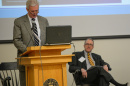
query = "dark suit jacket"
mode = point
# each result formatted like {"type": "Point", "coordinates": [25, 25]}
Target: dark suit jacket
{"type": "Point", "coordinates": [22, 33]}
{"type": "Point", "coordinates": [76, 65]}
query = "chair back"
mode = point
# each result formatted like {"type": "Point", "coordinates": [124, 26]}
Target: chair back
{"type": "Point", "coordinates": [9, 74]}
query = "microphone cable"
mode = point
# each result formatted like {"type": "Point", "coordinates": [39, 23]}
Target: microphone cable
{"type": "Point", "coordinates": [41, 63]}
{"type": "Point", "coordinates": [33, 21]}
{"type": "Point", "coordinates": [72, 82]}
{"type": "Point", "coordinates": [75, 71]}
{"type": "Point", "coordinates": [73, 46]}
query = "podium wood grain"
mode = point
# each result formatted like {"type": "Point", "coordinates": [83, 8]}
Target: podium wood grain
{"type": "Point", "coordinates": [45, 62]}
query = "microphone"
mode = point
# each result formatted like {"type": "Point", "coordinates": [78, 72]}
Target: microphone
{"type": "Point", "coordinates": [33, 20]}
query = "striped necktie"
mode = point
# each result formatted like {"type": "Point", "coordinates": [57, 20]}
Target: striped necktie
{"type": "Point", "coordinates": [35, 33]}
{"type": "Point", "coordinates": [90, 60]}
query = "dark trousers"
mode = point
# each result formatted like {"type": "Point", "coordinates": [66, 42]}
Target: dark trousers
{"type": "Point", "coordinates": [22, 78]}
{"type": "Point", "coordinates": [98, 76]}
{"type": "Point", "coordinates": [22, 75]}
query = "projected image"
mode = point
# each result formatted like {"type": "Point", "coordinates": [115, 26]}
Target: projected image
{"type": "Point", "coordinates": [53, 8]}
{"type": "Point", "coordinates": [58, 2]}
{"type": "Point", "coordinates": [64, 2]}
{"type": "Point", "coordinates": [13, 2]}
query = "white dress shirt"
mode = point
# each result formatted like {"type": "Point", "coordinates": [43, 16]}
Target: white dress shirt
{"type": "Point", "coordinates": [87, 61]}
{"type": "Point", "coordinates": [38, 27]}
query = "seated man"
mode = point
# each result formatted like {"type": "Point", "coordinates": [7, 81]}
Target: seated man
{"type": "Point", "coordinates": [90, 68]}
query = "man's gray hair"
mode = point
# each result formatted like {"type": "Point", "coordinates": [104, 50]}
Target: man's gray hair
{"type": "Point", "coordinates": [31, 3]}
{"type": "Point", "coordinates": [89, 39]}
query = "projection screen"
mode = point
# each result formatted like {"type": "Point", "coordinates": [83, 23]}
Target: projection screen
{"type": "Point", "coordinates": [87, 17]}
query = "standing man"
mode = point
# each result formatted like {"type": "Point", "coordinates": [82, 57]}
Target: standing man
{"type": "Point", "coordinates": [90, 68]}
{"type": "Point", "coordinates": [29, 30]}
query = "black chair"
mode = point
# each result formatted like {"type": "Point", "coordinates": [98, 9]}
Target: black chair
{"type": "Point", "coordinates": [9, 74]}
{"type": "Point", "coordinates": [77, 79]}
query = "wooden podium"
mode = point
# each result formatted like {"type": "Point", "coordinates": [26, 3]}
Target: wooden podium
{"type": "Point", "coordinates": [45, 65]}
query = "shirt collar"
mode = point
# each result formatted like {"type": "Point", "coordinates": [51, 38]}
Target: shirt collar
{"type": "Point", "coordinates": [31, 18]}
{"type": "Point", "coordinates": [86, 52]}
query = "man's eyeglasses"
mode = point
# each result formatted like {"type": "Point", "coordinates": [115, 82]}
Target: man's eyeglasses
{"type": "Point", "coordinates": [89, 44]}
{"type": "Point", "coordinates": [33, 11]}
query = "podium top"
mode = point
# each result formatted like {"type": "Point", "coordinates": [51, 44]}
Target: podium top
{"type": "Point", "coordinates": [45, 48]}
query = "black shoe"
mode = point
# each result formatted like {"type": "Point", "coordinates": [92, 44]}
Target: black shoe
{"type": "Point", "coordinates": [126, 84]}
{"type": "Point", "coordinates": [123, 84]}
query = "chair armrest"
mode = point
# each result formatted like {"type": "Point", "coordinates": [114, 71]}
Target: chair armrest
{"type": "Point", "coordinates": [7, 78]}
{"type": "Point", "coordinates": [109, 68]}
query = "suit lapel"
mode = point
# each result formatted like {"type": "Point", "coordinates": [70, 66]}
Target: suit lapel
{"type": "Point", "coordinates": [41, 26]}
{"type": "Point", "coordinates": [27, 25]}
{"type": "Point", "coordinates": [93, 56]}
{"type": "Point", "coordinates": [84, 63]}
{"type": "Point", "coordinates": [40, 22]}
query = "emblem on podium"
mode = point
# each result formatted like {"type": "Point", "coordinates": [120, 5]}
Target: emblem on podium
{"type": "Point", "coordinates": [50, 82]}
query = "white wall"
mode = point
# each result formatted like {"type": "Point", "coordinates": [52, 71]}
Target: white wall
{"type": "Point", "coordinates": [114, 51]}
{"type": "Point", "coordinates": [99, 25]}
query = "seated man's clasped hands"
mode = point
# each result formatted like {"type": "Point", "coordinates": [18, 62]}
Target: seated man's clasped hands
{"type": "Point", "coordinates": [90, 68]}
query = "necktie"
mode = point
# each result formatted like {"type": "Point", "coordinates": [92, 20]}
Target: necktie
{"type": "Point", "coordinates": [90, 60]}
{"type": "Point", "coordinates": [35, 33]}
